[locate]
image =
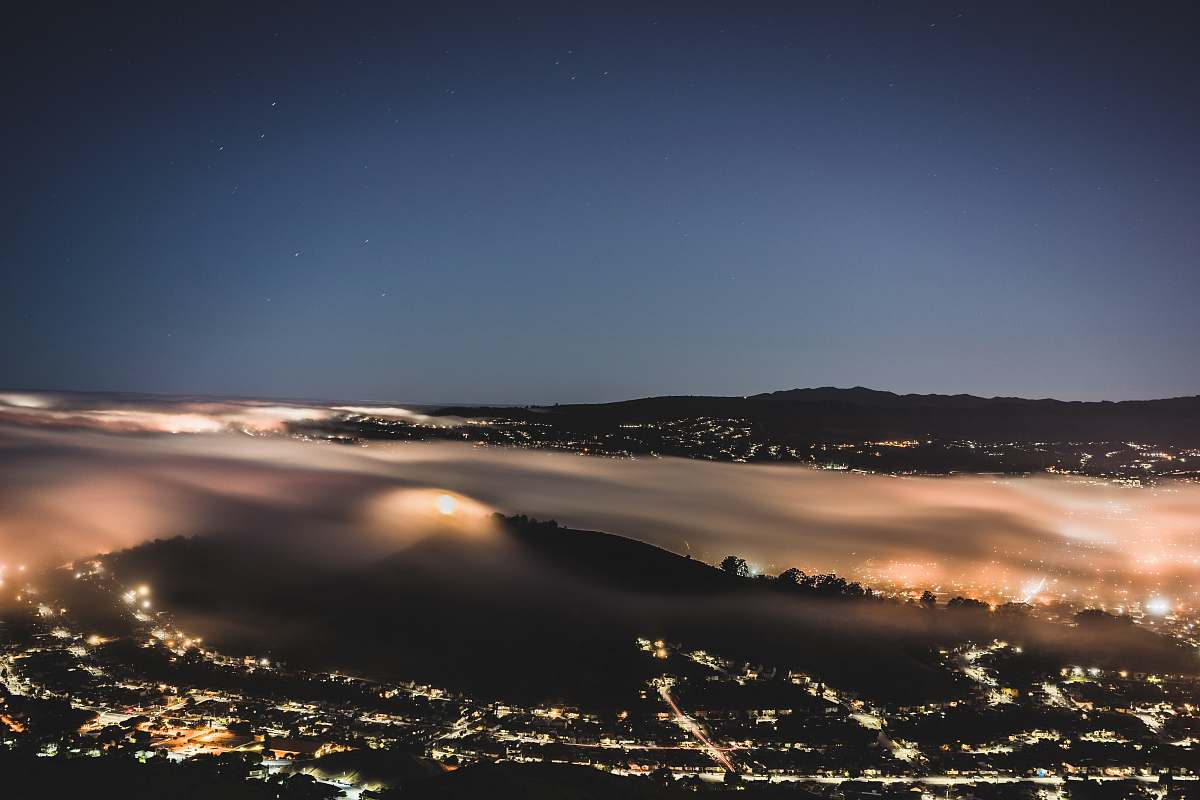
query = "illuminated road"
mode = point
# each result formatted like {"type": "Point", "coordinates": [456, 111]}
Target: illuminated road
{"type": "Point", "coordinates": [693, 727]}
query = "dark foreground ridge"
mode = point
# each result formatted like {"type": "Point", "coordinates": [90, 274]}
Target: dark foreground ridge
{"type": "Point", "coordinates": [525, 659]}
{"type": "Point", "coordinates": [545, 614]}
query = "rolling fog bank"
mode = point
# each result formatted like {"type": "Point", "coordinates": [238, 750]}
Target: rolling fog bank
{"type": "Point", "coordinates": [70, 492]}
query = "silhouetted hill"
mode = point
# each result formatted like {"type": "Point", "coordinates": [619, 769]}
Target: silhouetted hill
{"type": "Point", "coordinates": [533, 612]}
{"type": "Point", "coordinates": [617, 562]}
{"type": "Point", "coordinates": [857, 414]}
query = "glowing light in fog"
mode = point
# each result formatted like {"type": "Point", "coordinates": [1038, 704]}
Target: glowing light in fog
{"type": "Point", "coordinates": [1158, 606]}
{"type": "Point", "coordinates": [1031, 590]}
{"type": "Point", "coordinates": [446, 504]}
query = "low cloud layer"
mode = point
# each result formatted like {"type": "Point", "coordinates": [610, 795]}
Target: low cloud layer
{"type": "Point", "coordinates": [156, 414]}
{"type": "Point", "coordinates": [67, 492]}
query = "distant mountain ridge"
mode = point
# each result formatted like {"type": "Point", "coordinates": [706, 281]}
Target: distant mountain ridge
{"type": "Point", "coordinates": [859, 413]}
{"type": "Point", "coordinates": [864, 396]}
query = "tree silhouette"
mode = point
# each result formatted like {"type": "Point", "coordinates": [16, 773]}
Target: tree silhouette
{"type": "Point", "coordinates": [967, 604]}
{"type": "Point", "coordinates": [792, 578]}
{"type": "Point", "coordinates": [735, 566]}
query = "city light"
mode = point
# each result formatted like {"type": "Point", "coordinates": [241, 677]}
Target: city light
{"type": "Point", "coordinates": [1032, 589]}
{"type": "Point", "coordinates": [1158, 606]}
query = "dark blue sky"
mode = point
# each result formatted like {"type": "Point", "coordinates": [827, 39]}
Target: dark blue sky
{"type": "Point", "coordinates": [522, 203]}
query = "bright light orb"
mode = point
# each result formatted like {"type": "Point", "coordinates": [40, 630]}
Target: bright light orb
{"type": "Point", "coordinates": [446, 504]}
{"type": "Point", "coordinates": [1158, 606]}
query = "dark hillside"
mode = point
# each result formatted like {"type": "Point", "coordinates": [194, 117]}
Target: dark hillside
{"type": "Point", "coordinates": [543, 613]}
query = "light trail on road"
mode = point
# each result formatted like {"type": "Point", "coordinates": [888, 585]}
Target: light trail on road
{"type": "Point", "coordinates": [693, 727]}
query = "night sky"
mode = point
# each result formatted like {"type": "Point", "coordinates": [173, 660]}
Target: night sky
{"type": "Point", "coordinates": [521, 203]}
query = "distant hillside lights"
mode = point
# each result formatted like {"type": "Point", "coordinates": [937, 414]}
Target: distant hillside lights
{"type": "Point", "coordinates": [139, 596]}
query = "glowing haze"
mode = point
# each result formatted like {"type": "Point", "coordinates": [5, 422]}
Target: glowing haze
{"type": "Point", "coordinates": [67, 492]}
{"type": "Point", "coordinates": [150, 413]}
